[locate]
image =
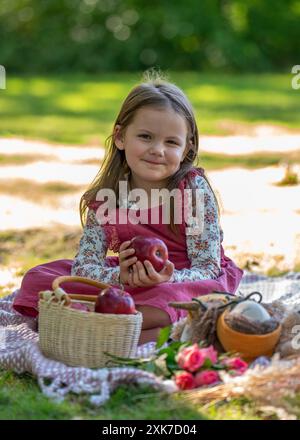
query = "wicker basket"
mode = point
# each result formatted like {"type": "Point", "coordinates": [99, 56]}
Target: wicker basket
{"type": "Point", "coordinates": [79, 338]}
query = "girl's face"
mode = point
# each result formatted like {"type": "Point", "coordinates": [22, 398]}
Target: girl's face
{"type": "Point", "coordinates": [155, 144]}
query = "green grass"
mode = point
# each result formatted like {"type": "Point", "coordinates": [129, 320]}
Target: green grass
{"type": "Point", "coordinates": [46, 194]}
{"type": "Point", "coordinates": [81, 109]}
{"type": "Point", "coordinates": [21, 398]}
{"type": "Point", "coordinates": [250, 161]}
{"type": "Point", "coordinates": [27, 248]}
{"type": "Point", "coordinates": [19, 159]}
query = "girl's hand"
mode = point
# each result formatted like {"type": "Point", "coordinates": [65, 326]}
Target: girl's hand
{"type": "Point", "coordinates": [139, 277]}
{"type": "Point", "coordinates": [126, 259]}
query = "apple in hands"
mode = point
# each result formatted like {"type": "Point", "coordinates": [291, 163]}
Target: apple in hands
{"type": "Point", "coordinates": [151, 249]}
{"type": "Point", "coordinates": [116, 301]}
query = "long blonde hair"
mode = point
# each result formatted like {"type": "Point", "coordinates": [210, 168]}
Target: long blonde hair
{"type": "Point", "coordinates": [156, 92]}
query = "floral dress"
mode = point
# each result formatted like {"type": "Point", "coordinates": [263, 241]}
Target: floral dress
{"type": "Point", "coordinates": [199, 260]}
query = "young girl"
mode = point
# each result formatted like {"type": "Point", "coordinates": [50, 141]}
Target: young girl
{"type": "Point", "coordinates": [154, 145]}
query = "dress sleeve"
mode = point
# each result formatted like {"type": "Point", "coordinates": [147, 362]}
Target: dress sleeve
{"type": "Point", "coordinates": [90, 260]}
{"type": "Point", "coordinates": [204, 250]}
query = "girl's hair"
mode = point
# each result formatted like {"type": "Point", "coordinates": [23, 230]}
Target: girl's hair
{"type": "Point", "coordinates": [156, 92]}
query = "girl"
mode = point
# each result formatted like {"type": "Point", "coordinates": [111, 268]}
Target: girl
{"type": "Point", "coordinates": [154, 145]}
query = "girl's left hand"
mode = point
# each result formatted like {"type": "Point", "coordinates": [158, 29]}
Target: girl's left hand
{"type": "Point", "coordinates": [139, 277]}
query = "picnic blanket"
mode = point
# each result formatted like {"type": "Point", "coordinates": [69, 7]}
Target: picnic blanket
{"type": "Point", "coordinates": [19, 348]}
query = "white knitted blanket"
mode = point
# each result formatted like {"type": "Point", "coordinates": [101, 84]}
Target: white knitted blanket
{"type": "Point", "coordinates": [19, 349]}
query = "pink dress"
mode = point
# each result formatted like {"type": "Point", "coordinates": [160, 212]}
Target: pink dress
{"type": "Point", "coordinates": [41, 277]}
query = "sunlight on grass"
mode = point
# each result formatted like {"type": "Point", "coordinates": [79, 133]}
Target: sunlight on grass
{"type": "Point", "coordinates": [81, 108]}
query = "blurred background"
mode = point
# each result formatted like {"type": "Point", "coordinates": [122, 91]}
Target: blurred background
{"type": "Point", "coordinates": [69, 64]}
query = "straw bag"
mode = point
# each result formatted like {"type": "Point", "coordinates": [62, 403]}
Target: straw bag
{"type": "Point", "coordinates": [79, 338]}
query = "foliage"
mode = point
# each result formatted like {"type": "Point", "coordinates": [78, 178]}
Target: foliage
{"type": "Point", "coordinates": [128, 35]}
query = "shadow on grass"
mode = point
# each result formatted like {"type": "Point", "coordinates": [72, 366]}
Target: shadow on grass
{"type": "Point", "coordinates": [42, 193]}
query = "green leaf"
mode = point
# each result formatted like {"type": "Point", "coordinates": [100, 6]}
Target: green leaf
{"type": "Point", "coordinates": [174, 346]}
{"type": "Point", "coordinates": [207, 364]}
{"type": "Point", "coordinates": [133, 362]}
{"type": "Point", "coordinates": [163, 336]}
{"type": "Point", "coordinates": [119, 358]}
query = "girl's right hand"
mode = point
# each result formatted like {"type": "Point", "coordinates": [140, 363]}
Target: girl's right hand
{"type": "Point", "coordinates": [126, 260]}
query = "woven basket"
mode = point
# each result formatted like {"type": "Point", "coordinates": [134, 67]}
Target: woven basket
{"type": "Point", "coordinates": [79, 338]}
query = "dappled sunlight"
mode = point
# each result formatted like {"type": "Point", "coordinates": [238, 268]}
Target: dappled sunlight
{"type": "Point", "coordinates": [10, 279]}
{"type": "Point", "coordinates": [245, 191]}
{"type": "Point", "coordinates": [61, 153]}
{"type": "Point", "coordinates": [52, 172]}
{"type": "Point", "coordinates": [265, 142]}
{"type": "Point", "coordinates": [16, 213]}
{"type": "Point", "coordinates": [258, 217]}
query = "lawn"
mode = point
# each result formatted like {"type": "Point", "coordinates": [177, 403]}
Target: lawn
{"type": "Point", "coordinates": [20, 398]}
{"type": "Point", "coordinates": [81, 109]}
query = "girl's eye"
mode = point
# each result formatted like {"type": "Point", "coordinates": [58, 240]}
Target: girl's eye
{"type": "Point", "coordinates": [146, 136]}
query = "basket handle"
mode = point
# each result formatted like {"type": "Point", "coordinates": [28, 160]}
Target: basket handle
{"type": "Point", "coordinates": [56, 283]}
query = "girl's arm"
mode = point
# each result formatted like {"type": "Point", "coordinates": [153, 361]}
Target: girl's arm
{"type": "Point", "coordinates": [90, 260]}
{"type": "Point", "coordinates": [204, 250]}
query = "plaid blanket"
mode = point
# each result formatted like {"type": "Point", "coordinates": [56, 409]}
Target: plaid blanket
{"type": "Point", "coordinates": [19, 348]}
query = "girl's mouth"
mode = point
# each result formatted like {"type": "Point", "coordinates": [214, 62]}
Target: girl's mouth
{"type": "Point", "coordinates": [153, 163]}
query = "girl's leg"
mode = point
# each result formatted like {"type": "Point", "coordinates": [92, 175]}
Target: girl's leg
{"type": "Point", "coordinates": [154, 320]}
{"type": "Point", "coordinates": [149, 335]}
{"type": "Point", "coordinates": [153, 317]}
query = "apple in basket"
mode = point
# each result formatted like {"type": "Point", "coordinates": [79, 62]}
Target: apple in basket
{"type": "Point", "coordinates": [152, 249]}
{"type": "Point", "coordinates": [80, 306]}
{"type": "Point", "coordinates": [113, 300]}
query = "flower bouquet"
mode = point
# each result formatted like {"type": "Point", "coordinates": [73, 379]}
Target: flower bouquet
{"type": "Point", "coordinates": [188, 365]}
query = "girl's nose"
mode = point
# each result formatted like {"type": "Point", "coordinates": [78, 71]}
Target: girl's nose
{"type": "Point", "coordinates": [157, 149]}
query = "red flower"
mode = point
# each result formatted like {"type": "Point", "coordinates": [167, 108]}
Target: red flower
{"type": "Point", "coordinates": [236, 364]}
{"type": "Point", "coordinates": [185, 381]}
{"type": "Point", "coordinates": [190, 358]}
{"type": "Point", "coordinates": [210, 353]}
{"type": "Point", "coordinates": [206, 377]}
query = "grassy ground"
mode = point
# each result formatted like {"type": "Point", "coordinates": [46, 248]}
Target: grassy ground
{"type": "Point", "coordinates": [20, 398]}
{"type": "Point", "coordinates": [80, 109]}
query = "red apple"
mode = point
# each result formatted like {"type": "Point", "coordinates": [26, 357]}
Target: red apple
{"type": "Point", "coordinates": [80, 306]}
{"type": "Point", "coordinates": [113, 300]}
{"type": "Point", "coordinates": [152, 249]}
